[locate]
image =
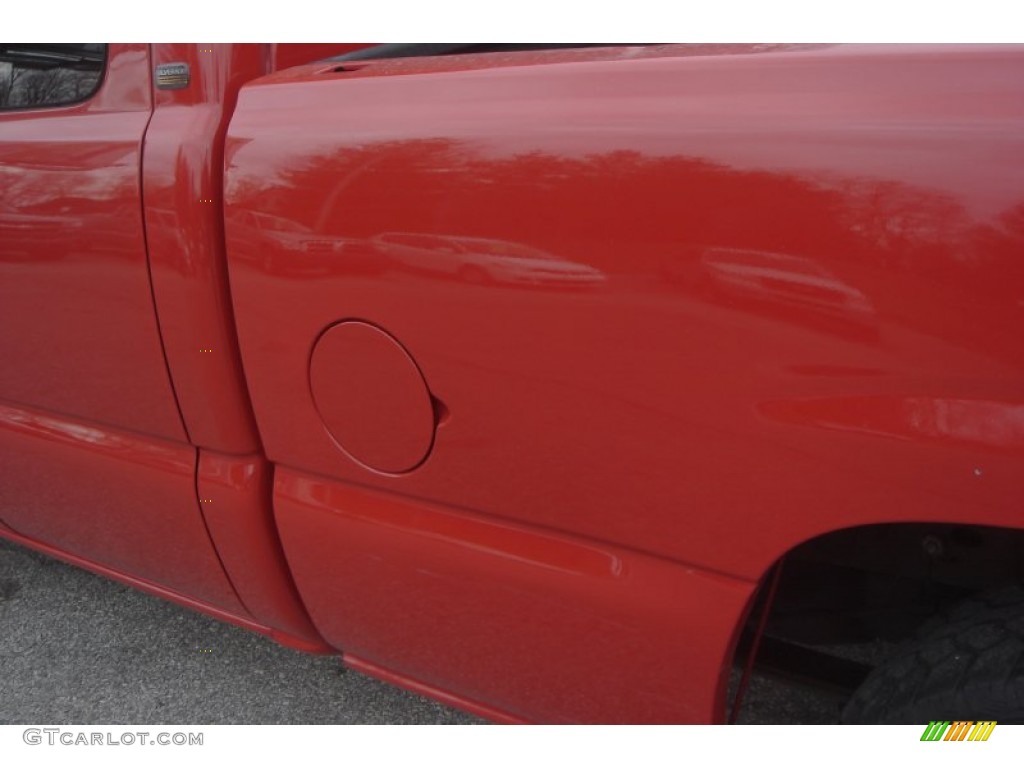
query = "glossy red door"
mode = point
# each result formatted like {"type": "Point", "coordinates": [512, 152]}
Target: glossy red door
{"type": "Point", "coordinates": [95, 462]}
{"type": "Point", "coordinates": [79, 336]}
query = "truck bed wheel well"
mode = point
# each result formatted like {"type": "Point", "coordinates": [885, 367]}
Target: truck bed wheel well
{"type": "Point", "coordinates": [847, 601]}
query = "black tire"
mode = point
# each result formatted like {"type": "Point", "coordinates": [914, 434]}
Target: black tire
{"type": "Point", "coordinates": [966, 664]}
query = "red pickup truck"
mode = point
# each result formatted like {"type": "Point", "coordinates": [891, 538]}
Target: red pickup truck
{"type": "Point", "coordinates": [555, 382]}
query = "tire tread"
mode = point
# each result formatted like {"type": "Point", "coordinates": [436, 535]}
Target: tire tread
{"type": "Point", "coordinates": [967, 663]}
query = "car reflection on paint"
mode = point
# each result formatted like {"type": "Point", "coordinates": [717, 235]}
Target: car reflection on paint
{"type": "Point", "coordinates": [791, 288]}
{"type": "Point", "coordinates": [287, 248]}
{"type": "Point", "coordinates": [484, 260]}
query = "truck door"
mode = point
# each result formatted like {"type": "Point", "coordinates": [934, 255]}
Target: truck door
{"type": "Point", "coordinates": [96, 462]}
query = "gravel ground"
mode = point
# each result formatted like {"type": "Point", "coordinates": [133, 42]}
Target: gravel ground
{"type": "Point", "coordinates": [79, 648]}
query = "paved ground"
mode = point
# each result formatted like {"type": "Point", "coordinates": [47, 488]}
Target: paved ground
{"type": "Point", "coordinates": [78, 648]}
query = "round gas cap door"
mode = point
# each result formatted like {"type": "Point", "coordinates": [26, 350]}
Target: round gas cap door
{"type": "Point", "coordinates": [372, 397]}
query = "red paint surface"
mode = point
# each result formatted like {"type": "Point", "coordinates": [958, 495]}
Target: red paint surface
{"type": "Point", "coordinates": [684, 306]}
{"type": "Point", "coordinates": [77, 331]}
{"type": "Point", "coordinates": [661, 292]}
{"type": "Point", "coordinates": [285, 55]}
{"type": "Point", "coordinates": [113, 498]}
{"type": "Point", "coordinates": [773, 228]}
{"type": "Point", "coordinates": [534, 624]}
{"type": "Point", "coordinates": [234, 495]}
{"type": "Point", "coordinates": [182, 181]}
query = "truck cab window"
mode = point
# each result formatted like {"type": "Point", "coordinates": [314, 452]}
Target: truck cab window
{"type": "Point", "coordinates": [34, 75]}
{"type": "Point", "coordinates": [410, 50]}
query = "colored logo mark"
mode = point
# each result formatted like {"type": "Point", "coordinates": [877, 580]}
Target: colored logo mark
{"type": "Point", "coordinates": [959, 730]}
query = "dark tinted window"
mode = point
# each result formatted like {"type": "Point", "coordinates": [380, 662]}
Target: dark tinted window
{"type": "Point", "coordinates": [407, 50]}
{"type": "Point", "coordinates": [49, 75]}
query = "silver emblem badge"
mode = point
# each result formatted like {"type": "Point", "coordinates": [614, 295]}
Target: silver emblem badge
{"type": "Point", "coordinates": [171, 77]}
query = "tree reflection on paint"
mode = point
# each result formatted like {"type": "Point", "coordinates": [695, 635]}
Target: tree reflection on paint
{"type": "Point", "coordinates": [45, 75]}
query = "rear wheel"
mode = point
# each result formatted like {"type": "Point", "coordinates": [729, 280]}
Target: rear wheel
{"type": "Point", "coordinates": [966, 664]}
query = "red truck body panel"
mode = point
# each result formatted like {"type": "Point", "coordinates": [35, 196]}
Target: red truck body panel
{"type": "Point", "coordinates": [525, 366]}
{"type": "Point", "coordinates": [96, 462]}
{"type": "Point", "coordinates": [507, 616]}
{"type": "Point", "coordinates": [783, 293]}
{"type": "Point", "coordinates": [120, 500]}
{"type": "Point", "coordinates": [79, 334]}
{"type": "Point", "coordinates": [234, 493]}
{"type": "Point", "coordinates": [182, 177]}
